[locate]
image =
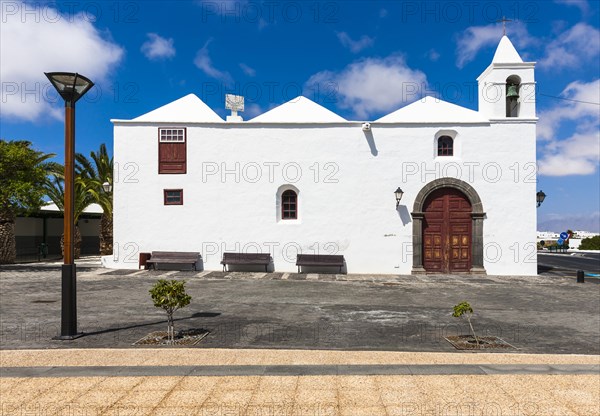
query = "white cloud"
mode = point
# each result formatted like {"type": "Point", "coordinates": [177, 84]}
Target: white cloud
{"type": "Point", "coordinates": [573, 48]}
{"type": "Point", "coordinates": [582, 5]}
{"type": "Point", "coordinates": [433, 55]}
{"type": "Point", "coordinates": [475, 38]}
{"type": "Point", "coordinates": [157, 47]}
{"type": "Point", "coordinates": [204, 62]}
{"type": "Point", "coordinates": [28, 48]}
{"type": "Point", "coordinates": [248, 70]}
{"type": "Point", "coordinates": [578, 154]}
{"type": "Point", "coordinates": [355, 46]}
{"type": "Point", "coordinates": [370, 86]}
{"type": "Point", "coordinates": [575, 107]}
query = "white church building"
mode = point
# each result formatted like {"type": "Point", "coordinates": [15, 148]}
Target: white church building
{"type": "Point", "coordinates": [301, 179]}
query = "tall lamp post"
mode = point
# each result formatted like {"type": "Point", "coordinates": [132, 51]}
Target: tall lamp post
{"type": "Point", "coordinates": [71, 87]}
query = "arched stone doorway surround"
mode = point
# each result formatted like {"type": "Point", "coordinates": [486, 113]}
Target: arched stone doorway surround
{"type": "Point", "coordinates": [477, 215]}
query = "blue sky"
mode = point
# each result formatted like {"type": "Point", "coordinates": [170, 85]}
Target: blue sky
{"type": "Point", "coordinates": [361, 59]}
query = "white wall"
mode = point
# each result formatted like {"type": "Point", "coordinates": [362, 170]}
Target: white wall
{"type": "Point", "coordinates": [346, 189]}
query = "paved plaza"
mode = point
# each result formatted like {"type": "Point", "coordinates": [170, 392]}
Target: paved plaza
{"type": "Point", "coordinates": [290, 344]}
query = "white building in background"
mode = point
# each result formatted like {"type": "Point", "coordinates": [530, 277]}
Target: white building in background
{"type": "Point", "coordinates": [46, 227]}
{"type": "Point", "coordinates": [584, 234]}
{"type": "Point", "coordinates": [301, 179]}
{"type": "Point", "coordinates": [547, 235]}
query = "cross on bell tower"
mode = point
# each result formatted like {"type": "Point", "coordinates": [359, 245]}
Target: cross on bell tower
{"type": "Point", "coordinates": [503, 20]}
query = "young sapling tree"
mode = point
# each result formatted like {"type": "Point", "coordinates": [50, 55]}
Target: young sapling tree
{"type": "Point", "coordinates": [170, 295]}
{"type": "Point", "coordinates": [464, 309]}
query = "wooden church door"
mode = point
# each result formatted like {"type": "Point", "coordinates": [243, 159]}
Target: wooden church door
{"type": "Point", "coordinates": [447, 232]}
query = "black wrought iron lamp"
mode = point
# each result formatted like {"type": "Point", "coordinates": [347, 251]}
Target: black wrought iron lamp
{"type": "Point", "coordinates": [398, 193]}
{"type": "Point", "coordinates": [540, 196]}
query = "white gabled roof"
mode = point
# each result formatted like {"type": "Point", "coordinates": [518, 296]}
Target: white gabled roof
{"type": "Point", "coordinates": [298, 110]}
{"type": "Point", "coordinates": [432, 110]}
{"type": "Point", "coordinates": [506, 53]}
{"type": "Point", "coordinates": [91, 209]}
{"type": "Point", "coordinates": [188, 109]}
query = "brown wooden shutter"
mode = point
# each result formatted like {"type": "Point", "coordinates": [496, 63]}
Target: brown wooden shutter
{"type": "Point", "coordinates": [172, 156]}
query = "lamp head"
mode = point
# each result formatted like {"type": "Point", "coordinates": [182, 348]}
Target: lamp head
{"type": "Point", "coordinates": [398, 194]}
{"type": "Point", "coordinates": [71, 86]}
{"type": "Point", "coordinates": [540, 196]}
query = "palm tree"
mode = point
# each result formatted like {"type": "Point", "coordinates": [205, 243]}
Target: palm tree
{"type": "Point", "coordinates": [82, 198]}
{"type": "Point", "coordinates": [23, 171]}
{"type": "Point", "coordinates": [98, 171]}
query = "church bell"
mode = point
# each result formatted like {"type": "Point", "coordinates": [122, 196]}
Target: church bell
{"type": "Point", "coordinates": [512, 92]}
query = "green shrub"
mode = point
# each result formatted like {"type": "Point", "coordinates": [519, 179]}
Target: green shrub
{"type": "Point", "coordinates": [465, 309]}
{"type": "Point", "coordinates": [170, 295]}
{"type": "Point", "coordinates": [591, 243]}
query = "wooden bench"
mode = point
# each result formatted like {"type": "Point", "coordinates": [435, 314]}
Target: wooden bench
{"type": "Point", "coordinates": [246, 259]}
{"type": "Point", "coordinates": [325, 260]}
{"type": "Point", "coordinates": [173, 257]}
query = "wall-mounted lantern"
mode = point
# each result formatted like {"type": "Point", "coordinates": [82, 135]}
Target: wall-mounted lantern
{"type": "Point", "coordinates": [398, 193]}
{"type": "Point", "coordinates": [540, 196]}
{"type": "Point", "coordinates": [107, 187]}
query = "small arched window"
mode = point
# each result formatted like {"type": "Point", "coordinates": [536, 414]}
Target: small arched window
{"type": "Point", "coordinates": [445, 146]}
{"type": "Point", "coordinates": [289, 205]}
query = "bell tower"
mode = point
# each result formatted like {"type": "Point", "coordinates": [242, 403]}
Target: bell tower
{"type": "Point", "coordinates": [507, 86]}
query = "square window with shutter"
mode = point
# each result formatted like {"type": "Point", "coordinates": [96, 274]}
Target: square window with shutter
{"type": "Point", "coordinates": [172, 156]}
{"type": "Point", "coordinates": [173, 196]}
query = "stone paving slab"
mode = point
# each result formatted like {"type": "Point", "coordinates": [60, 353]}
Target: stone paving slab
{"type": "Point", "coordinates": [421, 395]}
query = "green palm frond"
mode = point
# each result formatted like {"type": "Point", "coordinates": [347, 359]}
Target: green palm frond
{"type": "Point", "coordinates": [96, 170]}
{"type": "Point", "coordinates": [82, 197]}
{"type": "Point", "coordinates": [83, 167]}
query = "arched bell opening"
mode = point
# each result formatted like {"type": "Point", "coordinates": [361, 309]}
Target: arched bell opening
{"type": "Point", "coordinates": [513, 87]}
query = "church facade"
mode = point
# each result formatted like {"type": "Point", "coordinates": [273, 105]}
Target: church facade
{"type": "Point", "coordinates": [301, 179]}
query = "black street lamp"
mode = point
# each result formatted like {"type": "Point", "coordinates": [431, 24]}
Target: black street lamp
{"type": "Point", "coordinates": [540, 196]}
{"type": "Point", "coordinates": [71, 87]}
{"type": "Point", "coordinates": [398, 193]}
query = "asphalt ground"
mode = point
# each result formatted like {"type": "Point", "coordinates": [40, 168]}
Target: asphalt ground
{"type": "Point", "coordinates": [567, 265]}
{"type": "Point", "coordinates": [536, 314]}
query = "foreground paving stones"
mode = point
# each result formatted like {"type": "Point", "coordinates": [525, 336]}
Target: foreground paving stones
{"type": "Point", "coordinates": [336, 395]}
{"type": "Point", "coordinates": [117, 392]}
